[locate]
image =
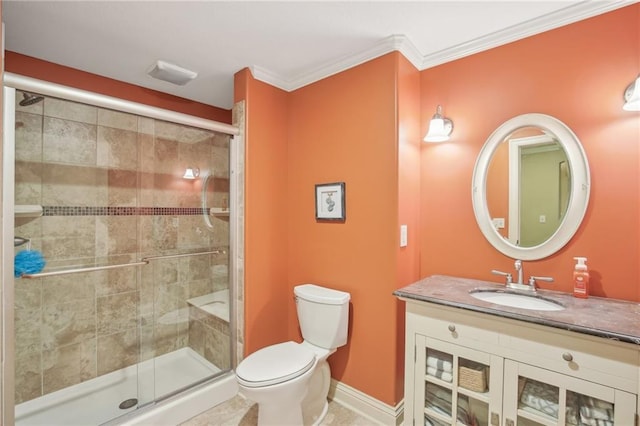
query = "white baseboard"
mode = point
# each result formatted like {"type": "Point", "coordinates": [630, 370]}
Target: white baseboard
{"type": "Point", "coordinates": [365, 405]}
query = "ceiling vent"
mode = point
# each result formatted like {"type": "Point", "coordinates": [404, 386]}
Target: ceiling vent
{"type": "Point", "coordinates": [172, 73]}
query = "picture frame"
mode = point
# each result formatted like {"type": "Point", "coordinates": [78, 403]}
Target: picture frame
{"type": "Point", "coordinates": [330, 202]}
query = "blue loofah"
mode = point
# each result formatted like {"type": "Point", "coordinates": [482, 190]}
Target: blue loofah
{"type": "Point", "coordinates": [28, 262]}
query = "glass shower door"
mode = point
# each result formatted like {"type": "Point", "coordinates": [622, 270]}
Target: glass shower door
{"type": "Point", "coordinates": [133, 304]}
{"type": "Point", "coordinates": [185, 293]}
{"type": "Point", "coordinates": [76, 322]}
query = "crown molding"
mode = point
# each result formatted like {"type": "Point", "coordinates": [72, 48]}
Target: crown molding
{"type": "Point", "coordinates": [392, 43]}
{"type": "Point", "coordinates": [408, 50]}
{"type": "Point", "coordinates": [401, 43]}
{"type": "Point", "coordinates": [389, 44]}
{"type": "Point", "coordinates": [562, 17]}
{"type": "Point", "coordinates": [269, 77]}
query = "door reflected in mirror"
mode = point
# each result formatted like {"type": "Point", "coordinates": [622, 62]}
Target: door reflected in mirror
{"type": "Point", "coordinates": [528, 185]}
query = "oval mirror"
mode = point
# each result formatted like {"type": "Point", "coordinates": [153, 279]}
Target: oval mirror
{"type": "Point", "coordinates": [530, 187]}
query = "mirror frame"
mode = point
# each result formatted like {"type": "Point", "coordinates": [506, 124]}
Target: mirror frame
{"type": "Point", "coordinates": [578, 196]}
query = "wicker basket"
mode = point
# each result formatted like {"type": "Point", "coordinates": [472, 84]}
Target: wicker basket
{"type": "Point", "coordinates": [473, 378]}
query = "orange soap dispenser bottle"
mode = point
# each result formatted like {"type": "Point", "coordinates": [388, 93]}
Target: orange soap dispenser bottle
{"type": "Point", "coordinates": [580, 278]}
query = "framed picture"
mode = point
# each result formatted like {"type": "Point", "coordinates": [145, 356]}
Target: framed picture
{"type": "Point", "coordinates": [330, 202]}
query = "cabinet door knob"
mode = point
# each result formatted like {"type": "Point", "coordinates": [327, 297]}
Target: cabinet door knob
{"type": "Point", "coordinates": [452, 328]}
{"type": "Point", "coordinates": [567, 356]}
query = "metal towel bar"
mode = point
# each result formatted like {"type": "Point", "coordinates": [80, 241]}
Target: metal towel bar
{"type": "Point", "coordinates": [171, 256]}
{"type": "Point", "coordinates": [143, 261]}
{"type": "Point", "coordinates": [80, 270]}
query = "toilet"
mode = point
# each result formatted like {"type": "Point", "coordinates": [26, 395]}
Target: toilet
{"type": "Point", "coordinates": [290, 380]}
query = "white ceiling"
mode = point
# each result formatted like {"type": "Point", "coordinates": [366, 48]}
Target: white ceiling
{"type": "Point", "coordinates": [287, 44]}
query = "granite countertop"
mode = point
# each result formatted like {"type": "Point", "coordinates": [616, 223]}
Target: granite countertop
{"type": "Point", "coordinates": [597, 316]}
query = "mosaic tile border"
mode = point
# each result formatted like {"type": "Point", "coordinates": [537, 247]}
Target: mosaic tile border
{"type": "Point", "coordinates": [121, 211]}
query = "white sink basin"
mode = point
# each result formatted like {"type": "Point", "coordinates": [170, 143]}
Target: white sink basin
{"type": "Point", "coordinates": [517, 300]}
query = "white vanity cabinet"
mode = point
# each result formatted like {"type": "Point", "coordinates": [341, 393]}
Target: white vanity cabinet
{"type": "Point", "coordinates": [469, 368]}
{"type": "Point", "coordinates": [458, 383]}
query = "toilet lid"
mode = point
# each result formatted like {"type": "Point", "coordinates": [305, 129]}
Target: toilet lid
{"type": "Point", "coordinates": [275, 364]}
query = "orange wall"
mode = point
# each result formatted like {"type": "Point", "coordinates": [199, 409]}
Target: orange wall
{"type": "Point", "coordinates": [267, 210]}
{"type": "Point", "coordinates": [408, 171]}
{"type": "Point", "coordinates": [362, 126]}
{"type": "Point", "coordinates": [54, 73]}
{"type": "Point", "coordinates": [576, 73]}
{"type": "Point", "coordinates": [344, 128]}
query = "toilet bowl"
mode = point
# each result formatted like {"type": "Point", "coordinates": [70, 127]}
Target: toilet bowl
{"type": "Point", "coordinates": [278, 379]}
{"type": "Point", "coordinates": [290, 381]}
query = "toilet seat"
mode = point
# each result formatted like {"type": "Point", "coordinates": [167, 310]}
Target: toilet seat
{"type": "Point", "coordinates": [275, 364]}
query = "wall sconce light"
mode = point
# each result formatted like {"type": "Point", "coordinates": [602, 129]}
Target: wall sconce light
{"type": "Point", "coordinates": [632, 96]}
{"type": "Point", "coordinates": [191, 173]}
{"type": "Point", "coordinates": [440, 127]}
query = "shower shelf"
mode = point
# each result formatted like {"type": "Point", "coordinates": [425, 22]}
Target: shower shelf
{"type": "Point", "coordinates": [218, 211]}
{"type": "Point", "coordinates": [28, 210]}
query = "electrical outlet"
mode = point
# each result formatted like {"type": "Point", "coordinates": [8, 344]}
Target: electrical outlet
{"type": "Point", "coordinates": [498, 222]}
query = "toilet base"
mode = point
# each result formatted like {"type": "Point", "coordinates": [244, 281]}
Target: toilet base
{"type": "Point", "coordinates": [322, 415]}
{"type": "Point", "coordinates": [280, 404]}
{"type": "Point", "coordinates": [267, 412]}
{"type": "Point", "coordinates": [273, 415]}
{"type": "Point", "coordinates": [298, 402]}
{"type": "Point", "coordinates": [315, 404]}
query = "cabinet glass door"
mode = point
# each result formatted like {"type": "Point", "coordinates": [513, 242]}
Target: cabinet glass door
{"type": "Point", "coordinates": [543, 397]}
{"type": "Point", "coordinates": [586, 410]}
{"type": "Point", "coordinates": [457, 388]}
{"type": "Point", "coordinates": [537, 400]}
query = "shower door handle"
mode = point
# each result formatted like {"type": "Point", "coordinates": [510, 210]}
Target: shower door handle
{"type": "Point", "coordinates": [81, 270]}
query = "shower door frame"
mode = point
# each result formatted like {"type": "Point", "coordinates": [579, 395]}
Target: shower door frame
{"type": "Point", "coordinates": [8, 300]}
{"type": "Point", "coordinates": [11, 82]}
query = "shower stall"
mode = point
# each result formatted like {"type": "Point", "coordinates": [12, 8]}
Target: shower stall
{"type": "Point", "coordinates": [134, 309]}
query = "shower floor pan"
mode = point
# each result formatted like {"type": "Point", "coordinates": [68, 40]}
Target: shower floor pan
{"type": "Point", "coordinates": [97, 400]}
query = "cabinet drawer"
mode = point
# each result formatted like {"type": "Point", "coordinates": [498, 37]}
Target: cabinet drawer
{"type": "Point", "coordinates": [606, 362]}
{"type": "Point", "coordinates": [454, 325]}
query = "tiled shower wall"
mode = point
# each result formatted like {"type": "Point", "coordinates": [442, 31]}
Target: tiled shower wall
{"type": "Point", "coordinates": [239, 120]}
{"type": "Point", "coordinates": [112, 192]}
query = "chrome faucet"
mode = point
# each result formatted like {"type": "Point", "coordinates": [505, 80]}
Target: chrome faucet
{"type": "Point", "coordinates": [532, 281]}
{"type": "Point", "coordinates": [507, 276]}
{"type": "Point", "coordinates": [518, 265]}
{"type": "Point", "coordinates": [519, 284]}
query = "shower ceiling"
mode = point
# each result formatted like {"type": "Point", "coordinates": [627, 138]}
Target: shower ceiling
{"type": "Point", "coordinates": [287, 44]}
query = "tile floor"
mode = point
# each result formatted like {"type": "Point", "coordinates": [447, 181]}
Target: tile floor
{"type": "Point", "coordinates": [241, 412]}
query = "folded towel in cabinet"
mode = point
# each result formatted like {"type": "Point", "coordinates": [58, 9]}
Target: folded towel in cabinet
{"type": "Point", "coordinates": [437, 399]}
{"type": "Point", "coordinates": [595, 422]}
{"type": "Point", "coordinates": [428, 421]}
{"type": "Point", "coordinates": [595, 412]}
{"type": "Point", "coordinates": [540, 397]}
{"type": "Point", "coordinates": [440, 374]}
{"type": "Point", "coordinates": [440, 364]}
{"type": "Point", "coordinates": [465, 416]}
{"type": "Point", "coordinates": [592, 408]}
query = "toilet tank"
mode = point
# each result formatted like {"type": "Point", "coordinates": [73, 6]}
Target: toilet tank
{"type": "Point", "coordinates": [323, 315]}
